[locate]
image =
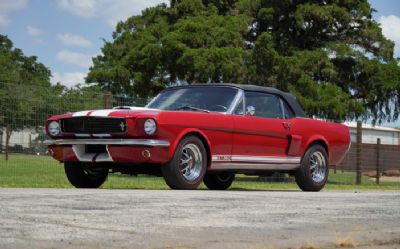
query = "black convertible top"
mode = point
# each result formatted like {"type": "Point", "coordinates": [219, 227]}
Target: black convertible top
{"type": "Point", "coordinates": [289, 98]}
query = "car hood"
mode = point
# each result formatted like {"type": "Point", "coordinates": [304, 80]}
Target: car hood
{"type": "Point", "coordinates": [123, 112]}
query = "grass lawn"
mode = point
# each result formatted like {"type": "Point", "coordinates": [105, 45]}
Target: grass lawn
{"type": "Point", "coordinates": [29, 171]}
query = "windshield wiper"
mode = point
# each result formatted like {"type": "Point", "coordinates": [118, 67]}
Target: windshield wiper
{"type": "Point", "coordinates": [188, 107]}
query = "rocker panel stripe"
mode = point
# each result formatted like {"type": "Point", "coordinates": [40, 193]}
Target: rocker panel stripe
{"type": "Point", "coordinates": [253, 166]}
{"type": "Point", "coordinates": [256, 159]}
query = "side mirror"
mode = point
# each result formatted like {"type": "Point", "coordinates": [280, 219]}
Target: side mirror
{"type": "Point", "coordinates": [250, 110]}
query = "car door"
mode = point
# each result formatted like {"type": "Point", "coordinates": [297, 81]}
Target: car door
{"type": "Point", "coordinates": [261, 137]}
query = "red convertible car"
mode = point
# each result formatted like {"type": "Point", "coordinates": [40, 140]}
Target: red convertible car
{"type": "Point", "coordinates": [199, 133]}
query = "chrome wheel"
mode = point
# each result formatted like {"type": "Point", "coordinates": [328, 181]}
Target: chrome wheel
{"type": "Point", "coordinates": [191, 162]}
{"type": "Point", "coordinates": [318, 166]}
{"type": "Point", "coordinates": [188, 166]}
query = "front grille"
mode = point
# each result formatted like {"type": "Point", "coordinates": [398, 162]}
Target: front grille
{"type": "Point", "coordinates": [93, 125]}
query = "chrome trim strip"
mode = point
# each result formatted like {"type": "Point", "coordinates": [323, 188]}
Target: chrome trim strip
{"type": "Point", "coordinates": [128, 142]}
{"type": "Point", "coordinates": [251, 166]}
{"type": "Point", "coordinates": [256, 159]}
{"type": "Point", "coordinates": [101, 135]}
{"type": "Point", "coordinates": [82, 135]}
{"type": "Point", "coordinates": [266, 159]}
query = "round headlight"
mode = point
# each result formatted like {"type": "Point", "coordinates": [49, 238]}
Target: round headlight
{"type": "Point", "coordinates": [54, 128]}
{"type": "Point", "coordinates": [150, 126]}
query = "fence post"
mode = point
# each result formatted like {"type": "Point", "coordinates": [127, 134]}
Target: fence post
{"type": "Point", "coordinates": [107, 100]}
{"type": "Point", "coordinates": [1, 141]}
{"type": "Point", "coordinates": [30, 140]}
{"type": "Point", "coordinates": [378, 152]}
{"type": "Point", "coordinates": [358, 163]}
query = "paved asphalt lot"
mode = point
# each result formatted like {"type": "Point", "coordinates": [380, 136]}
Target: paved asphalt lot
{"type": "Point", "coordinates": [71, 218]}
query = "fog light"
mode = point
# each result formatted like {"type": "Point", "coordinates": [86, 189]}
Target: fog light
{"type": "Point", "coordinates": [146, 154]}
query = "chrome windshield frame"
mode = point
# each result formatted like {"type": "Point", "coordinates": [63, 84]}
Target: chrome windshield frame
{"type": "Point", "coordinates": [236, 101]}
{"type": "Point", "coordinates": [152, 100]}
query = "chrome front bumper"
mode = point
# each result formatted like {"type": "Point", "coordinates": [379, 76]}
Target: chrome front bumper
{"type": "Point", "coordinates": [127, 142]}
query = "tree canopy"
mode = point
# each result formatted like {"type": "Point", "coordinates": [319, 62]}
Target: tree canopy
{"type": "Point", "coordinates": [21, 80]}
{"type": "Point", "coordinates": [331, 54]}
{"type": "Point", "coordinates": [27, 98]}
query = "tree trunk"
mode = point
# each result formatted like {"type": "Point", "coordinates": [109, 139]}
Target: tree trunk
{"type": "Point", "coordinates": [8, 135]}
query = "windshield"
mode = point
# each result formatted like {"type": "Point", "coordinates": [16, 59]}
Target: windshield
{"type": "Point", "coordinates": [215, 99]}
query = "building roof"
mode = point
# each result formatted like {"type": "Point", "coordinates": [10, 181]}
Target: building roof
{"type": "Point", "coordinates": [353, 124]}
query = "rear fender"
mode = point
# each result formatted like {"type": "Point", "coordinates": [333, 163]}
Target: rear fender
{"type": "Point", "coordinates": [315, 138]}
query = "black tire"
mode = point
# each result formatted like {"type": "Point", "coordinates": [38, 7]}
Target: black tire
{"type": "Point", "coordinates": [219, 181]}
{"type": "Point", "coordinates": [188, 175]}
{"type": "Point", "coordinates": [313, 180]}
{"type": "Point", "coordinates": [83, 175]}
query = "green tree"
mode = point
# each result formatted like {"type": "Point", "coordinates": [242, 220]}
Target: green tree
{"type": "Point", "coordinates": [22, 79]}
{"type": "Point", "coordinates": [331, 54]}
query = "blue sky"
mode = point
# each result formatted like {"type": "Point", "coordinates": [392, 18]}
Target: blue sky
{"type": "Point", "coordinates": [65, 34]}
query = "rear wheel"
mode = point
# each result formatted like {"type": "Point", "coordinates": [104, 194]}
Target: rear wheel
{"type": "Point", "coordinates": [85, 175]}
{"type": "Point", "coordinates": [313, 172]}
{"type": "Point", "coordinates": [187, 168]}
{"type": "Point", "coordinates": [219, 181]}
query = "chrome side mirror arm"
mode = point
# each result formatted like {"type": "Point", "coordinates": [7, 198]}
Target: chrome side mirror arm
{"type": "Point", "coordinates": [250, 110]}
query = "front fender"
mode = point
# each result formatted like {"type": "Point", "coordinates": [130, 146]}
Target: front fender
{"type": "Point", "coordinates": [184, 133]}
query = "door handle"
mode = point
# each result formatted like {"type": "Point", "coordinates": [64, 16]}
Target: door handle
{"type": "Point", "coordinates": [287, 125]}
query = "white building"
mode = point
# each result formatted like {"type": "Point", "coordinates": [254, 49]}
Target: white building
{"type": "Point", "coordinates": [371, 133]}
{"type": "Point", "coordinates": [23, 138]}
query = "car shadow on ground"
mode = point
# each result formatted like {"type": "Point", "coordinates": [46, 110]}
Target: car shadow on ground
{"type": "Point", "coordinates": [261, 190]}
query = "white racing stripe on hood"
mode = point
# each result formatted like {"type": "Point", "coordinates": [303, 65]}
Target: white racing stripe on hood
{"type": "Point", "coordinates": [79, 114]}
{"type": "Point", "coordinates": [101, 113]}
{"type": "Point", "coordinates": [106, 112]}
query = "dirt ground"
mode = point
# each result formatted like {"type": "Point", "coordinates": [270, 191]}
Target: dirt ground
{"type": "Point", "coordinates": [71, 218]}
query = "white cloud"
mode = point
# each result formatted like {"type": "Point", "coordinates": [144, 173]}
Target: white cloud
{"type": "Point", "coordinates": [3, 20]}
{"type": "Point", "coordinates": [74, 40]}
{"type": "Point", "coordinates": [32, 31]}
{"type": "Point", "coordinates": [73, 58]}
{"type": "Point", "coordinates": [391, 29]}
{"type": "Point", "coordinates": [68, 79]}
{"type": "Point", "coordinates": [110, 11]}
{"type": "Point", "coordinates": [83, 8]}
{"type": "Point", "coordinates": [7, 6]}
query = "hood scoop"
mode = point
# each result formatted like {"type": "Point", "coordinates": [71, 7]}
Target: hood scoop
{"type": "Point", "coordinates": [123, 107]}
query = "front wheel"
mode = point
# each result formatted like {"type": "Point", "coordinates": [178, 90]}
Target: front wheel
{"type": "Point", "coordinates": [219, 181]}
{"type": "Point", "coordinates": [85, 175]}
{"type": "Point", "coordinates": [313, 172]}
{"type": "Point", "coordinates": [187, 168]}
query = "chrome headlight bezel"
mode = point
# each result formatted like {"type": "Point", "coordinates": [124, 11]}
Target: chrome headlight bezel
{"type": "Point", "coordinates": [54, 128]}
{"type": "Point", "coordinates": [150, 126]}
